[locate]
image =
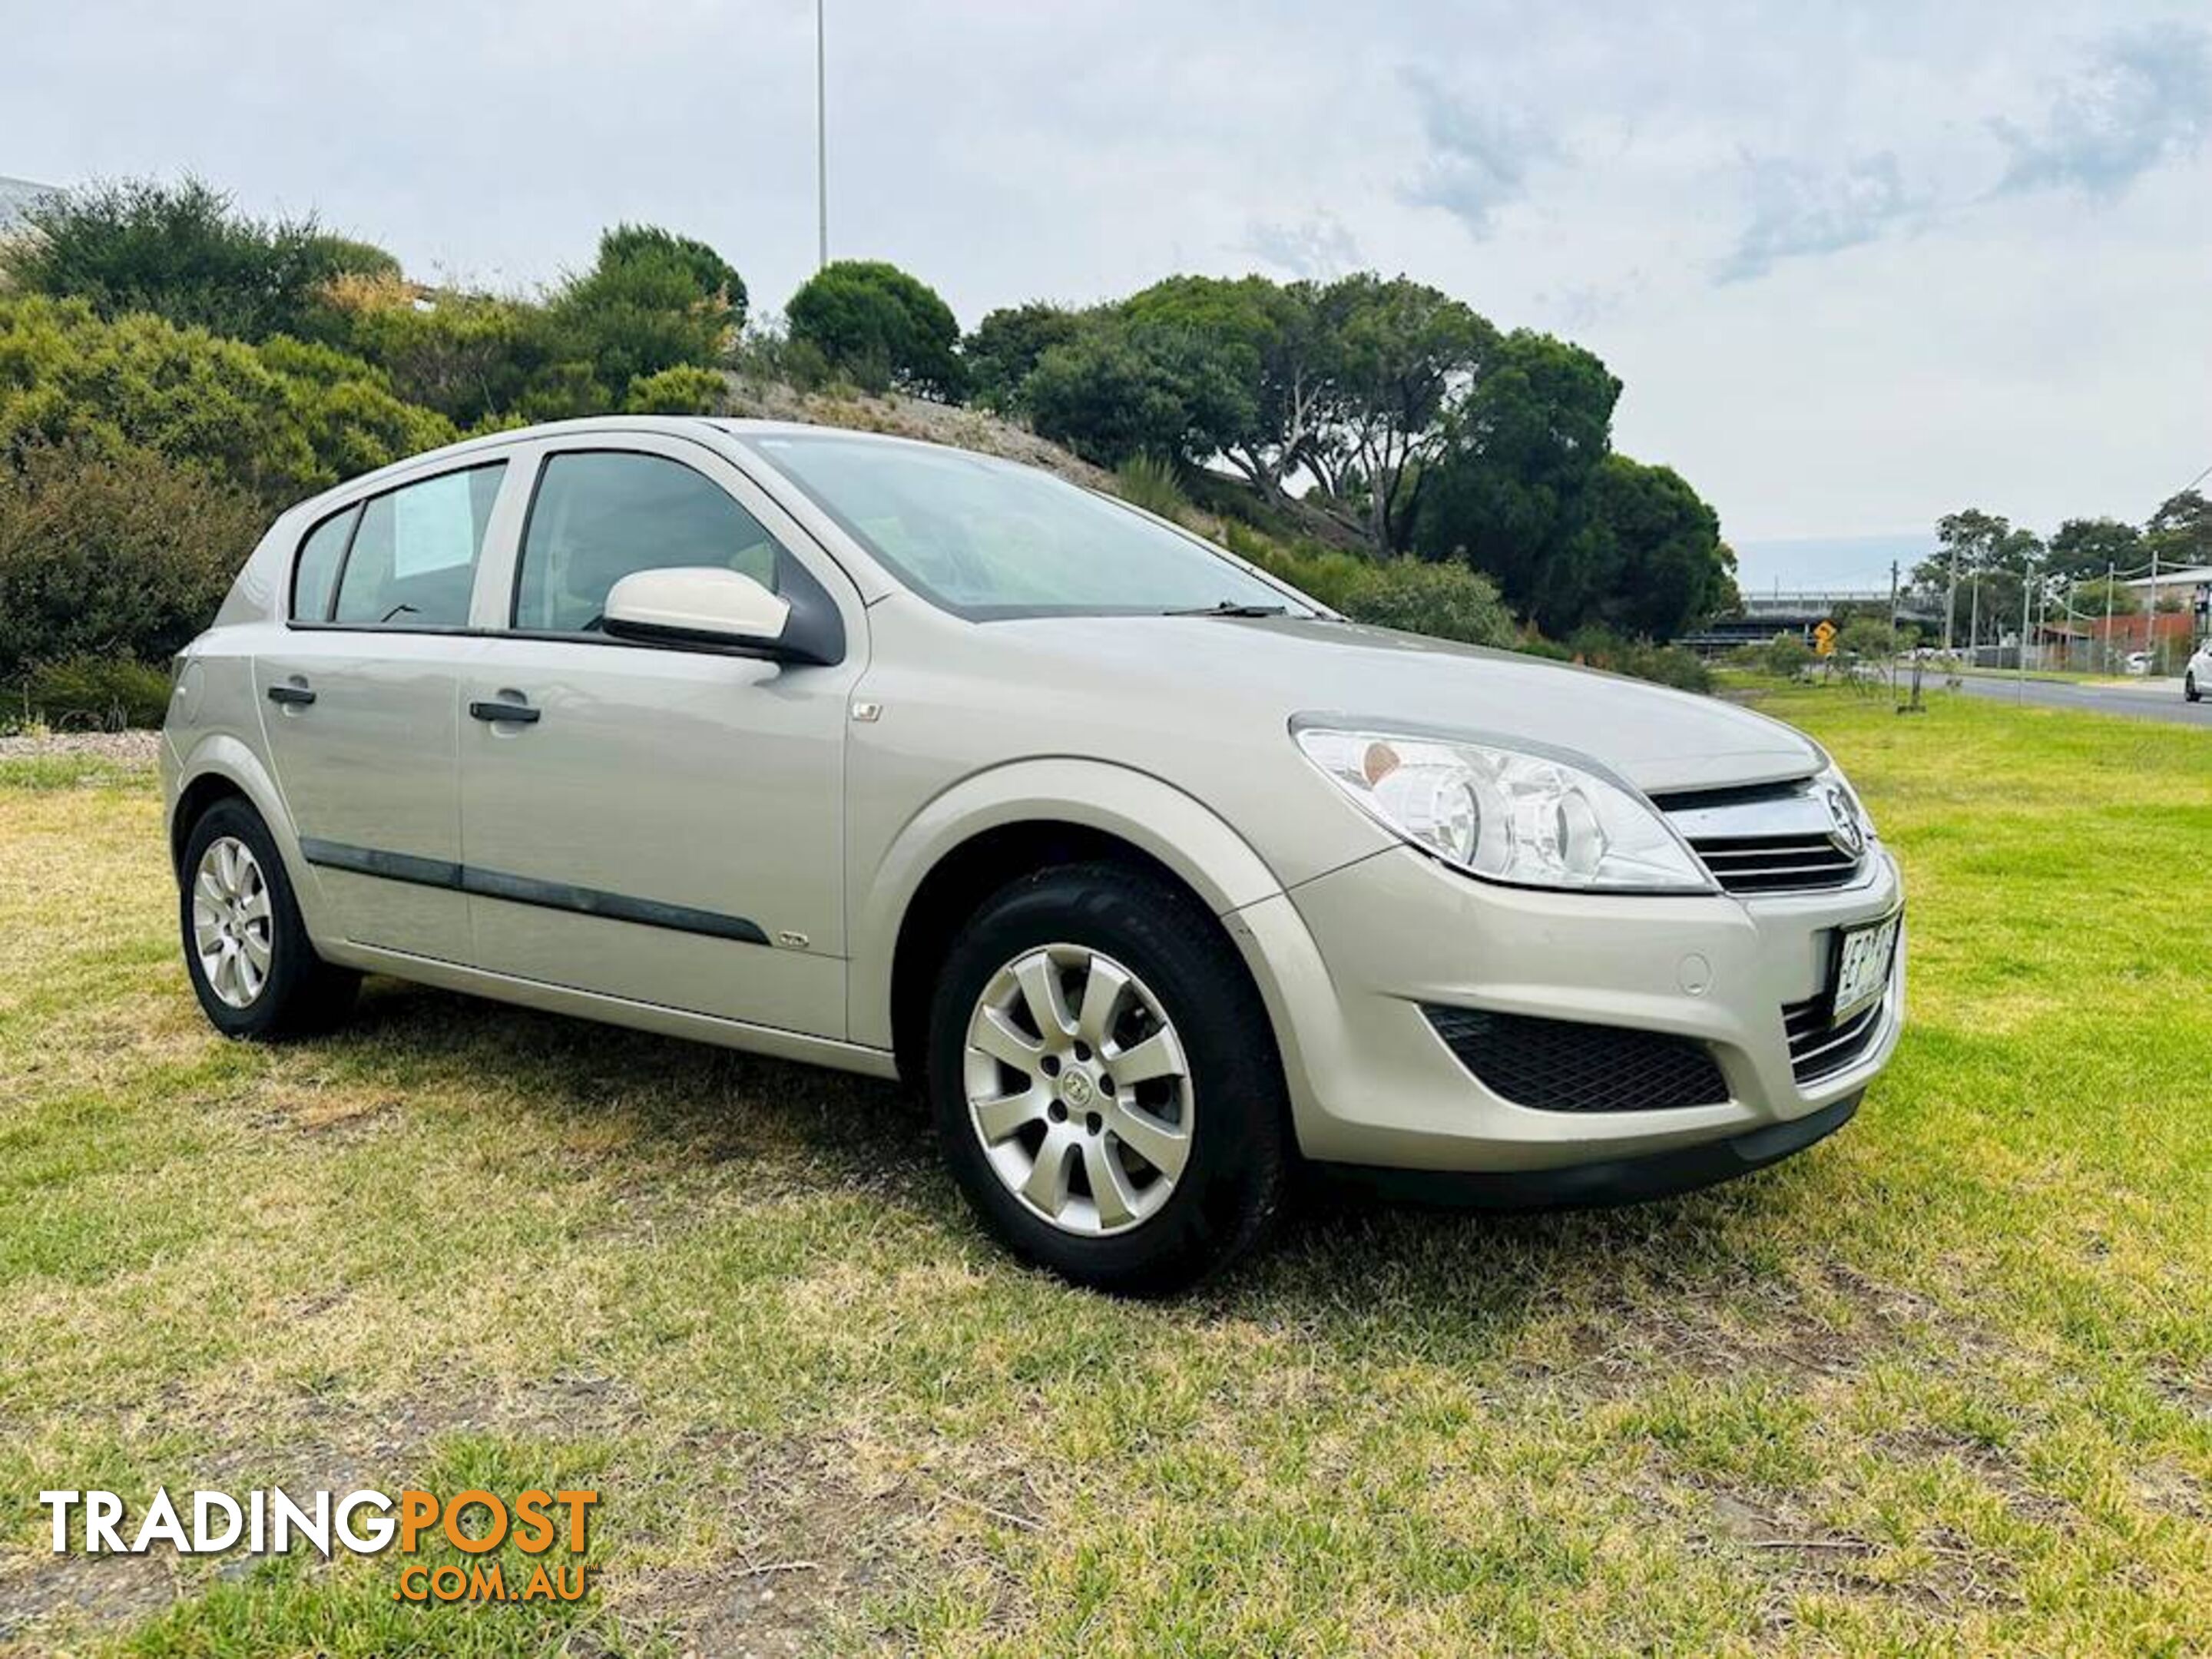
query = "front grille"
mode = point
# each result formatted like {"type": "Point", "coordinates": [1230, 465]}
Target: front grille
{"type": "Point", "coordinates": [1819, 1048]}
{"type": "Point", "coordinates": [1776, 864]}
{"type": "Point", "coordinates": [1770, 838]}
{"type": "Point", "coordinates": [1564, 1066]}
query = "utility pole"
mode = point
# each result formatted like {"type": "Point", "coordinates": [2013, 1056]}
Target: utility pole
{"type": "Point", "coordinates": [2019, 656]}
{"type": "Point", "coordinates": [2108, 616]}
{"type": "Point", "coordinates": [1893, 631]}
{"type": "Point", "coordinates": [2150, 611]}
{"type": "Point", "coordinates": [1951, 599]}
{"type": "Point", "coordinates": [822, 131]}
{"type": "Point", "coordinates": [1974, 616]}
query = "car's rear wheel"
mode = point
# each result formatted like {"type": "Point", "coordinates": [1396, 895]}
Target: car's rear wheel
{"type": "Point", "coordinates": [1104, 1081]}
{"type": "Point", "coordinates": [245, 947]}
{"type": "Point", "coordinates": [2189, 687]}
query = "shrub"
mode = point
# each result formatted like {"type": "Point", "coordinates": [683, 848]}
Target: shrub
{"type": "Point", "coordinates": [713, 279]}
{"type": "Point", "coordinates": [1148, 481]}
{"type": "Point", "coordinates": [102, 694]}
{"type": "Point", "coordinates": [1665, 665]}
{"type": "Point", "coordinates": [470, 356]}
{"type": "Point", "coordinates": [1787, 656]}
{"type": "Point", "coordinates": [1447, 600]}
{"type": "Point", "coordinates": [120, 555]}
{"type": "Point", "coordinates": [684, 389]}
{"type": "Point", "coordinates": [872, 320]}
{"type": "Point", "coordinates": [282, 420]}
{"type": "Point", "coordinates": [185, 252]}
{"type": "Point", "coordinates": [652, 301]}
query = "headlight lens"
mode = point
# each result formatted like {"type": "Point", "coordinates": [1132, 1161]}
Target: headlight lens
{"type": "Point", "coordinates": [1507, 814]}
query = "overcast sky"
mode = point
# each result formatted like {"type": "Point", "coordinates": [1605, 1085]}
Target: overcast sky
{"type": "Point", "coordinates": [1857, 265]}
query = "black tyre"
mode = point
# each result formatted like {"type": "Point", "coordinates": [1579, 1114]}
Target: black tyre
{"type": "Point", "coordinates": [251, 965]}
{"type": "Point", "coordinates": [2189, 688]}
{"type": "Point", "coordinates": [1105, 1081]}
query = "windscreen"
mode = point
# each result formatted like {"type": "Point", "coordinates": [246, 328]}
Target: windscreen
{"type": "Point", "coordinates": [988, 538]}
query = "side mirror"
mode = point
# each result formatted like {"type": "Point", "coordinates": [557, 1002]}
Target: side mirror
{"type": "Point", "coordinates": [697, 606]}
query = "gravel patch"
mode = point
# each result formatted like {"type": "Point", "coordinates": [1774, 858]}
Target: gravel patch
{"type": "Point", "coordinates": [128, 748]}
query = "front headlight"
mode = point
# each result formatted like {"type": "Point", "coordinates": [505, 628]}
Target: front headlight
{"type": "Point", "coordinates": [1509, 815]}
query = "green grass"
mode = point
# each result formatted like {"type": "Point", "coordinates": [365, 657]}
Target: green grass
{"type": "Point", "coordinates": [1942, 1385]}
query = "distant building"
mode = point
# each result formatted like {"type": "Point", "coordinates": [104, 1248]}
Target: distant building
{"type": "Point", "coordinates": [2183, 586]}
{"type": "Point", "coordinates": [16, 196]}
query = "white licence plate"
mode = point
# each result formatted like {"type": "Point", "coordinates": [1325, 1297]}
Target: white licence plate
{"type": "Point", "coordinates": [1863, 965]}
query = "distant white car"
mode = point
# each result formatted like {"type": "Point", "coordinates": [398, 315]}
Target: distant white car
{"type": "Point", "coordinates": [2136, 662]}
{"type": "Point", "coordinates": [2198, 674]}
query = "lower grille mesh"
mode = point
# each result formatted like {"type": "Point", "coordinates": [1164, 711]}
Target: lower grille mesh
{"type": "Point", "coordinates": [1564, 1066]}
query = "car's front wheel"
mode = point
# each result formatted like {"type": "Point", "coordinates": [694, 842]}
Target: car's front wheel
{"type": "Point", "coordinates": [1105, 1083]}
{"type": "Point", "coordinates": [245, 947]}
{"type": "Point", "coordinates": [2188, 686]}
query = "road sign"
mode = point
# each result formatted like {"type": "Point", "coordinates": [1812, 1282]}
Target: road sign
{"type": "Point", "coordinates": [1824, 640]}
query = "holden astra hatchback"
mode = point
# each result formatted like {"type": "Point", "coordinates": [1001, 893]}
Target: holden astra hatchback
{"type": "Point", "coordinates": [1155, 876]}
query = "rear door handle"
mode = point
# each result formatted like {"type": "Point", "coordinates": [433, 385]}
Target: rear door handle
{"type": "Point", "coordinates": [291, 693]}
{"type": "Point", "coordinates": [521, 714]}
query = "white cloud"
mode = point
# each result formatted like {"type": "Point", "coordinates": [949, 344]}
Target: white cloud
{"type": "Point", "coordinates": [1921, 338]}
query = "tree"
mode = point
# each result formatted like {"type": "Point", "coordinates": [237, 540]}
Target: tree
{"type": "Point", "coordinates": [2181, 530]}
{"type": "Point", "coordinates": [1005, 346]}
{"type": "Point", "coordinates": [1648, 561]}
{"type": "Point", "coordinates": [1121, 389]}
{"type": "Point", "coordinates": [1402, 351]}
{"type": "Point", "coordinates": [182, 252]}
{"type": "Point", "coordinates": [2089, 598]}
{"type": "Point", "coordinates": [1981, 563]}
{"type": "Point", "coordinates": [1508, 493]}
{"type": "Point", "coordinates": [1286, 353]}
{"type": "Point", "coordinates": [871, 320]}
{"type": "Point", "coordinates": [2085, 547]}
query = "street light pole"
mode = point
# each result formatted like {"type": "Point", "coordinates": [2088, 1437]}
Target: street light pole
{"type": "Point", "coordinates": [821, 132]}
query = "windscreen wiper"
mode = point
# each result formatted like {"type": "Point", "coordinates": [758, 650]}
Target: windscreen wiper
{"type": "Point", "coordinates": [1229, 608]}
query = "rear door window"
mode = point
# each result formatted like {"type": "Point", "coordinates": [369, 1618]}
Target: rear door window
{"type": "Point", "coordinates": [413, 559]}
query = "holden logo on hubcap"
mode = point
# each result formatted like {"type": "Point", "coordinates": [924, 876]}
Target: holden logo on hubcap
{"type": "Point", "coordinates": [1076, 1089]}
{"type": "Point", "coordinates": [1847, 834]}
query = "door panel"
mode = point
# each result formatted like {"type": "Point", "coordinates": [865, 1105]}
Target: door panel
{"type": "Point", "coordinates": [669, 829]}
{"type": "Point", "coordinates": [366, 772]}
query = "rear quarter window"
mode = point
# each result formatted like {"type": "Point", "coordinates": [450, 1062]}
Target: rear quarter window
{"type": "Point", "coordinates": [315, 575]}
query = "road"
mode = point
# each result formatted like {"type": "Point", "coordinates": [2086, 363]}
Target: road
{"type": "Point", "coordinates": [2145, 700]}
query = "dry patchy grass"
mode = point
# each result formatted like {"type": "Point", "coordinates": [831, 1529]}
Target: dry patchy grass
{"type": "Point", "coordinates": [1942, 1385]}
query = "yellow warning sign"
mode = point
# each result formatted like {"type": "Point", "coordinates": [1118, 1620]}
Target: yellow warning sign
{"type": "Point", "coordinates": [1824, 640]}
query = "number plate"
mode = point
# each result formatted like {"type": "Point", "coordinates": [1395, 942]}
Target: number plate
{"type": "Point", "coordinates": [1863, 965]}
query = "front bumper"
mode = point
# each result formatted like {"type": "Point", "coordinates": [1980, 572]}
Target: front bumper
{"type": "Point", "coordinates": [1346, 960]}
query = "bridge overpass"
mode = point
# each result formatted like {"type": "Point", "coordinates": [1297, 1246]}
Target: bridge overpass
{"type": "Point", "coordinates": [1800, 611]}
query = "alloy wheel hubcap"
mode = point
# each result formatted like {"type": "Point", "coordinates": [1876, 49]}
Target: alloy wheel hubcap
{"type": "Point", "coordinates": [233, 929]}
{"type": "Point", "coordinates": [1078, 1090]}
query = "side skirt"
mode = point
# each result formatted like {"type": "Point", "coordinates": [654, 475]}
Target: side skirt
{"type": "Point", "coordinates": [617, 1011]}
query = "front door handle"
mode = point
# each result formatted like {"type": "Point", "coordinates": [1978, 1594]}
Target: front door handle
{"type": "Point", "coordinates": [520, 713]}
{"type": "Point", "coordinates": [298, 695]}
